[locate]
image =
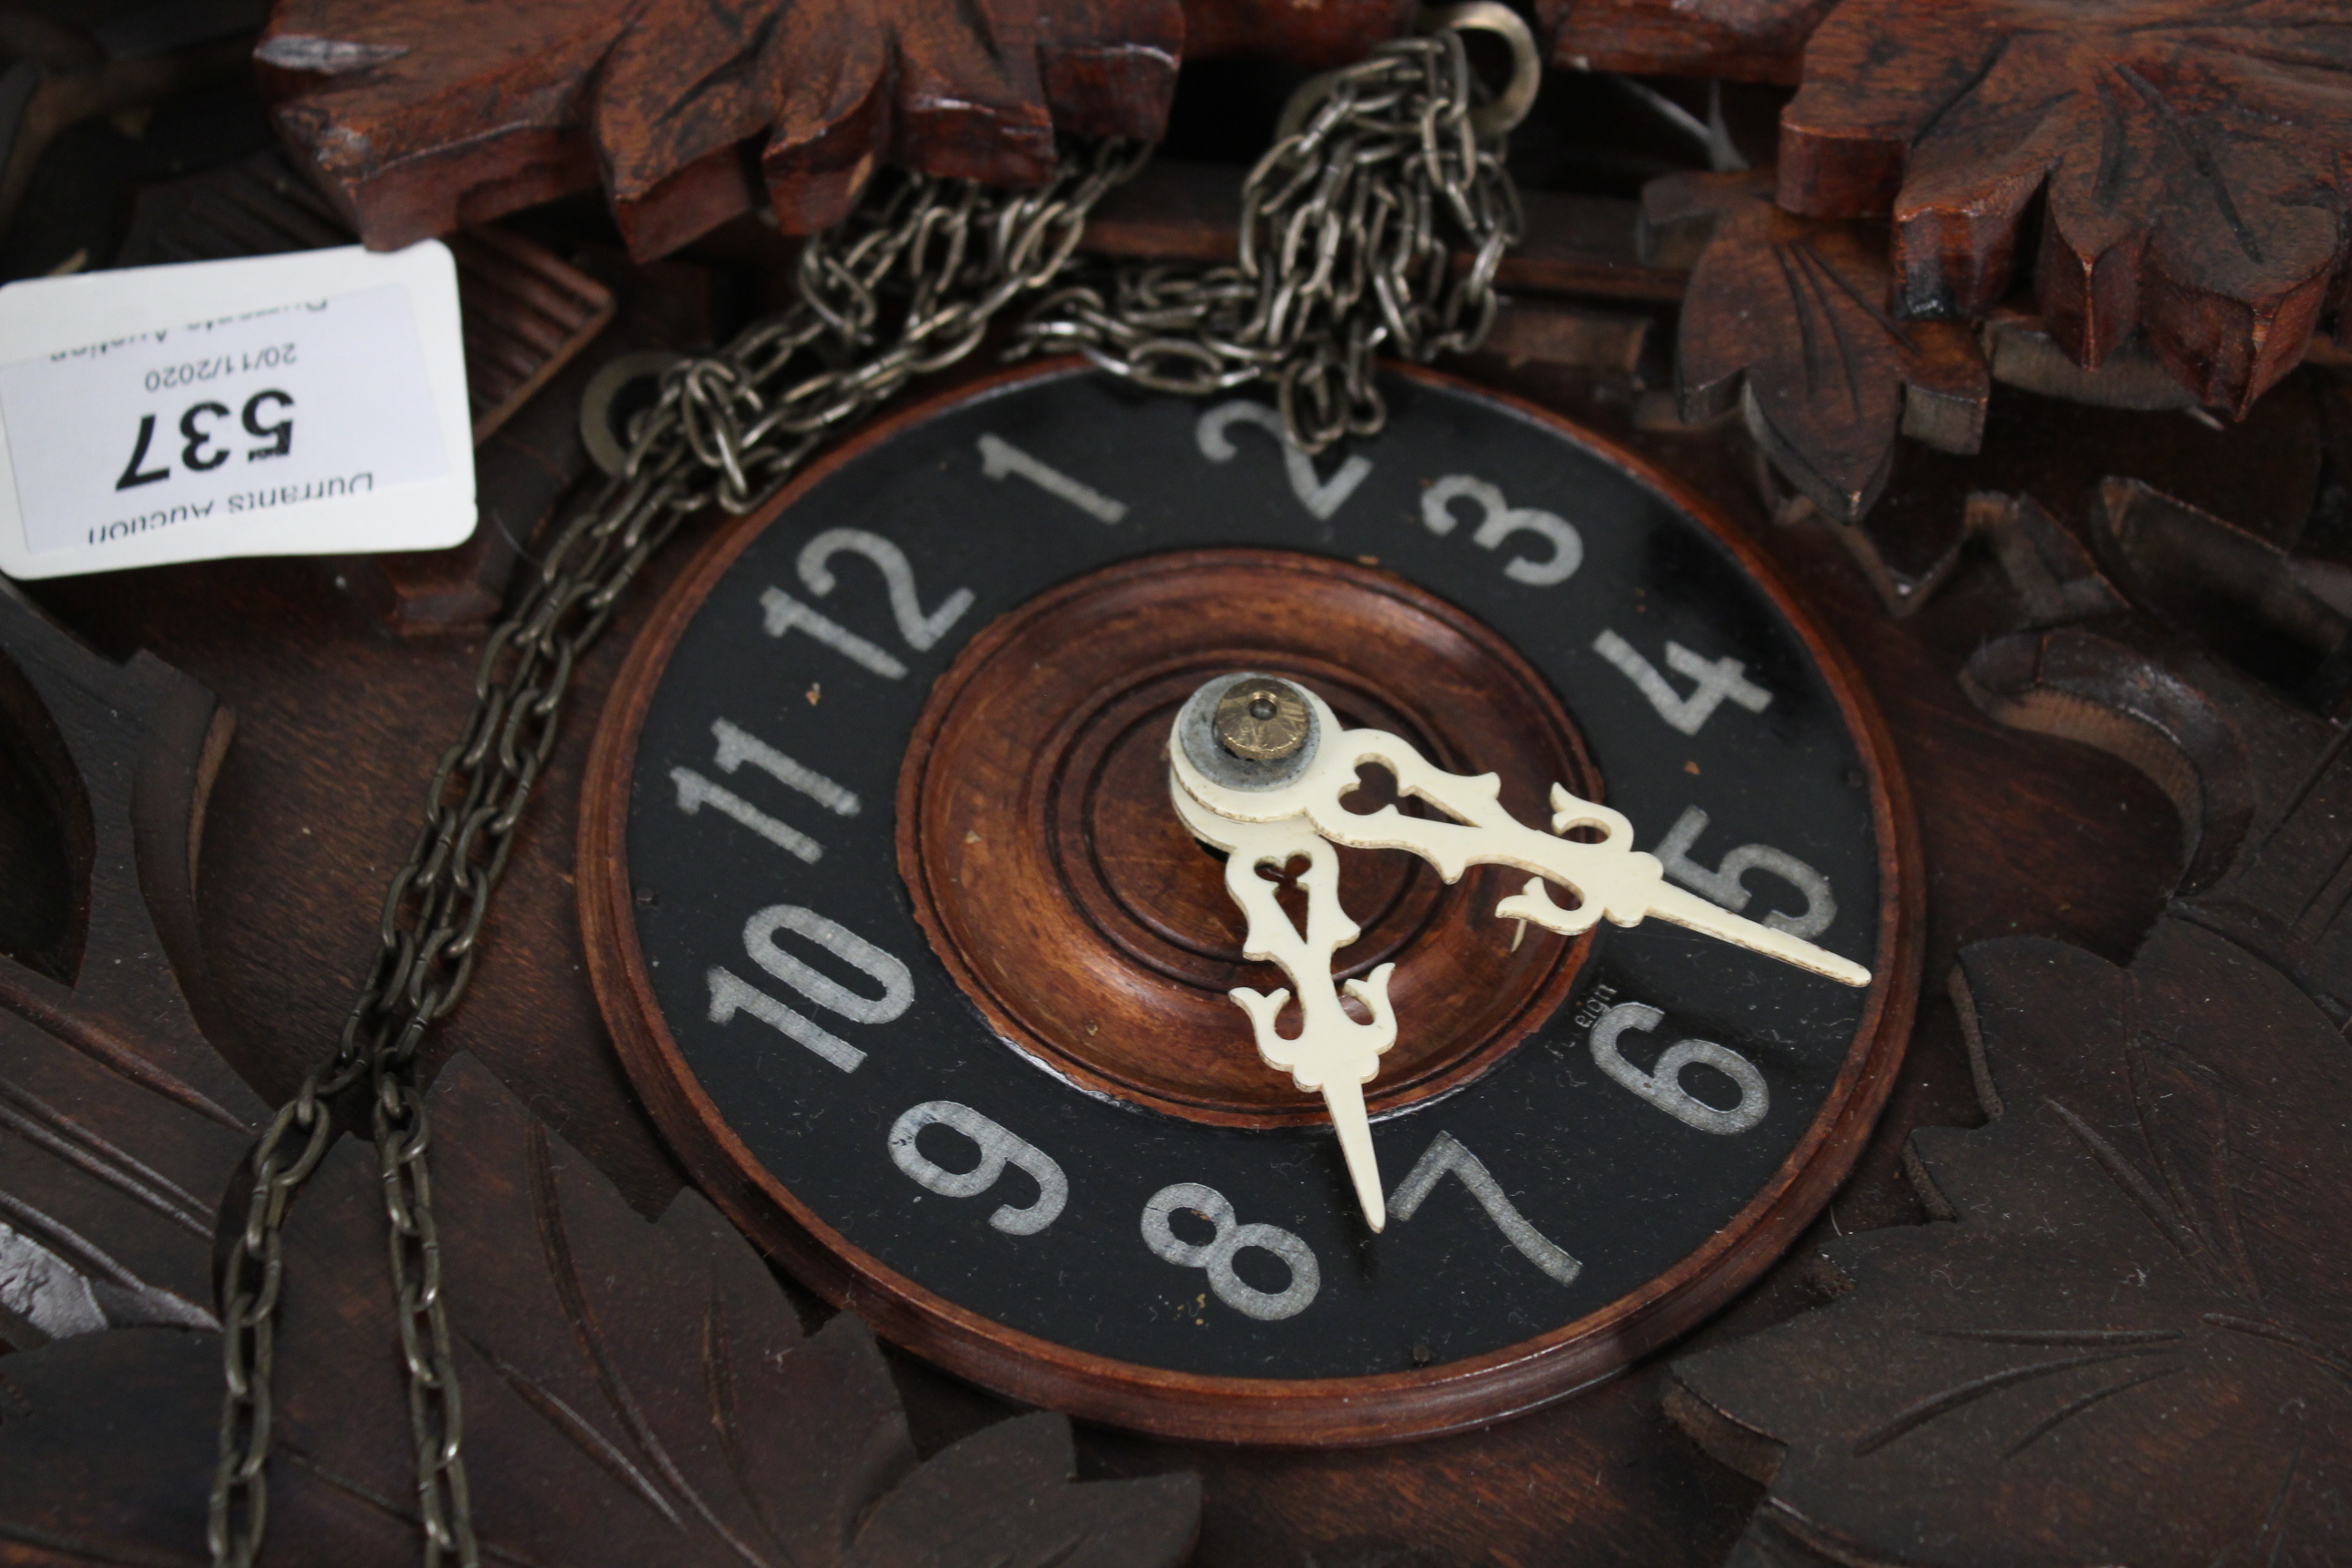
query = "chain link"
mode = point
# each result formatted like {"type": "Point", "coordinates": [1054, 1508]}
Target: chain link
{"type": "Point", "coordinates": [1349, 228]}
{"type": "Point", "coordinates": [1345, 252]}
{"type": "Point", "coordinates": [906, 286]}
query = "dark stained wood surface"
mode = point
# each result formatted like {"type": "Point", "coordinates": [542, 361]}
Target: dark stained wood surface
{"type": "Point", "coordinates": [1581, 245]}
{"type": "Point", "coordinates": [1114, 875]}
{"type": "Point", "coordinates": [120, 1126]}
{"type": "Point", "coordinates": [2186, 178]}
{"type": "Point", "coordinates": [2275, 464]}
{"type": "Point", "coordinates": [2141, 1290]}
{"type": "Point", "coordinates": [2026, 834]}
{"type": "Point", "coordinates": [2142, 1297]}
{"type": "Point", "coordinates": [531, 313]}
{"type": "Point", "coordinates": [1790, 319]}
{"type": "Point", "coordinates": [340, 722]}
{"type": "Point", "coordinates": [634, 1394]}
{"type": "Point", "coordinates": [1731, 40]}
{"type": "Point", "coordinates": [690, 112]}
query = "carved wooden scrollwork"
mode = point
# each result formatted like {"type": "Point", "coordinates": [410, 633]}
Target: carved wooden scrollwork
{"type": "Point", "coordinates": [2138, 1290]}
{"type": "Point", "coordinates": [2189, 165]}
{"type": "Point", "coordinates": [692, 112]}
{"type": "Point", "coordinates": [2169, 179]}
{"type": "Point", "coordinates": [1789, 319]}
{"type": "Point", "coordinates": [120, 1125]}
{"type": "Point", "coordinates": [635, 1391]}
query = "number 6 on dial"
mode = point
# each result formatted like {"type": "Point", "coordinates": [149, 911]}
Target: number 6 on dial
{"type": "Point", "coordinates": [1664, 1087]}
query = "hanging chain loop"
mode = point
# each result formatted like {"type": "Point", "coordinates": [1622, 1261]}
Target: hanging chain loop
{"type": "Point", "coordinates": [1382, 172]}
{"type": "Point", "coordinates": [908, 285]}
{"type": "Point", "coordinates": [1350, 223]}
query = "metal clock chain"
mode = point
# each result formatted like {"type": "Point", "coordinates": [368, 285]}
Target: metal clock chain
{"type": "Point", "coordinates": [1343, 256]}
{"type": "Point", "coordinates": [1380, 173]}
{"type": "Point", "coordinates": [726, 430]}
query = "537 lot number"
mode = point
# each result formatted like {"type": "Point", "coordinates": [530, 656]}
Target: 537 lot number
{"type": "Point", "coordinates": [203, 427]}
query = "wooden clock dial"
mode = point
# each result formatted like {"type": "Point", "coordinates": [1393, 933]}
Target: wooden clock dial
{"type": "Point", "coordinates": [905, 947]}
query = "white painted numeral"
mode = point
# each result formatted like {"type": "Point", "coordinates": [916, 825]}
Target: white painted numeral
{"type": "Point", "coordinates": [1718, 678]}
{"type": "Point", "coordinates": [786, 614]}
{"type": "Point", "coordinates": [999, 456]}
{"type": "Point", "coordinates": [759, 945]}
{"type": "Point", "coordinates": [738, 746]}
{"type": "Point", "coordinates": [1320, 496]}
{"type": "Point", "coordinates": [1499, 519]}
{"type": "Point", "coordinates": [695, 792]}
{"type": "Point", "coordinates": [1724, 887]}
{"type": "Point", "coordinates": [998, 1149]}
{"type": "Point", "coordinates": [1662, 1087]}
{"type": "Point", "coordinates": [730, 995]}
{"type": "Point", "coordinates": [922, 631]}
{"type": "Point", "coordinates": [1445, 1156]}
{"type": "Point", "coordinates": [1216, 1254]}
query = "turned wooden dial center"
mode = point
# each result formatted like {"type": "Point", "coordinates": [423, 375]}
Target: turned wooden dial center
{"type": "Point", "coordinates": [1075, 910]}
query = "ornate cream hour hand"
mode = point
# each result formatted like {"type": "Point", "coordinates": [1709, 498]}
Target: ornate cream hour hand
{"type": "Point", "coordinates": [1311, 779]}
{"type": "Point", "coordinates": [1332, 1053]}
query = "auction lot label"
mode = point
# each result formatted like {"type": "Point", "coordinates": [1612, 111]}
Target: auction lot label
{"type": "Point", "coordinates": [290, 405]}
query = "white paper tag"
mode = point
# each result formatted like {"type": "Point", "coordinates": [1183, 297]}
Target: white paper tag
{"type": "Point", "coordinates": [303, 404]}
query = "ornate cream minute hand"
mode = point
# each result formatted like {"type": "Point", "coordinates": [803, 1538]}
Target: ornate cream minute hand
{"type": "Point", "coordinates": [1332, 1053]}
{"type": "Point", "coordinates": [1259, 767]}
{"type": "Point", "coordinates": [1610, 876]}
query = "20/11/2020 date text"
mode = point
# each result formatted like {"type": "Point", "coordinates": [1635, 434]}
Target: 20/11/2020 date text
{"type": "Point", "coordinates": [201, 428]}
{"type": "Point", "coordinates": [194, 371]}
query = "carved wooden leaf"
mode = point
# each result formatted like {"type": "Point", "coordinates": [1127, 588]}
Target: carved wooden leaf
{"type": "Point", "coordinates": [419, 120]}
{"type": "Point", "coordinates": [2247, 759]}
{"type": "Point", "coordinates": [105, 1450]}
{"type": "Point", "coordinates": [2193, 159]}
{"type": "Point", "coordinates": [2133, 1341]}
{"type": "Point", "coordinates": [1789, 318]}
{"type": "Point", "coordinates": [634, 1394]}
{"type": "Point", "coordinates": [639, 1393]}
{"type": "Point", "coordinates": [119, 1124]}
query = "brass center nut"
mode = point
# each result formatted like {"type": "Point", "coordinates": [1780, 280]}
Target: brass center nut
{"type": "Point", "coordinates": [1261, 720]}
